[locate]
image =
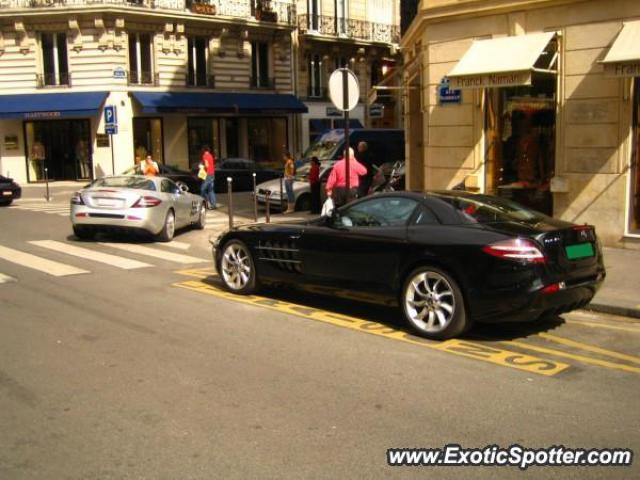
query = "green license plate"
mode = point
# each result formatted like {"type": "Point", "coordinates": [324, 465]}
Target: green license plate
{"type": "Point", "coordinates": [581, 250]}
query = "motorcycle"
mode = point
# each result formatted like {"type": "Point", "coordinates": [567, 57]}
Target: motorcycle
{"type": "Point", "coordinates": [388, 178]}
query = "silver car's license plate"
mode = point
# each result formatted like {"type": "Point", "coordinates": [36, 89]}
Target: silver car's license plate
{"type": "Point", "coordinates": [108, 202]}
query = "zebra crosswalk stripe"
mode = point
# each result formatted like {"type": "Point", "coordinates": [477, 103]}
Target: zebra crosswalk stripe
{"type": "Point", "coordinates": [38, 263]}
{"type": "Point", "coordinates": [113, 260]}
{"type": "Point", "coordinates": [6, 278]}
{"type": "Point", "coordinates": [150, 252]}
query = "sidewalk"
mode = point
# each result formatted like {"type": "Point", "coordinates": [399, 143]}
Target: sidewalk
{"type": "Point", "coordinates": [620, 294]}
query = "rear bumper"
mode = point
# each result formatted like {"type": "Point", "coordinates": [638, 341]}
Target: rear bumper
{"type": "Point", "coordinates": [7, 194]}
{"type": "Point", "coordinates": [132, 219]}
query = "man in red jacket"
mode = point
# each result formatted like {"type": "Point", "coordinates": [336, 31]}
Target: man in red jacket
{"type": "Point", "coordinates": [207, 190]}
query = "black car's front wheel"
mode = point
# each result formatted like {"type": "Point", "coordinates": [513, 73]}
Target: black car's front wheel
{"type": "Point", "coordinates": [433, 305]}
{"type": "Point", "coordinates": [238, 268]}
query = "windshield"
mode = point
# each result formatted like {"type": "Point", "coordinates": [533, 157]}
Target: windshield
{"type": "Point", "coordinates": [486, 209]}
{"type": "Point", "coordinates": [125, 182]}
{"type": "Point", "coordinates": [325, 147]}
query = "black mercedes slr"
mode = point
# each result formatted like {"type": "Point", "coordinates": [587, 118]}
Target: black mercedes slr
{"type": "Point", "coordinates": [447, 259]}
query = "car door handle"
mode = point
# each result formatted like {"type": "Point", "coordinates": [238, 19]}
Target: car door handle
{"type": "Point", "coordinates": [295, 237]}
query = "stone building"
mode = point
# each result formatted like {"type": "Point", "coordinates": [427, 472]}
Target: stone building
{"type": "Point", "coordinates": [534, 100]}
{"type": "Point", "coordinates": [175, 75]}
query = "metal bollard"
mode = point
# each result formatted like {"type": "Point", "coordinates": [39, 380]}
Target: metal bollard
{"type": "Point", "coordinates": [46, 179]}
{"type": "Point", "coordinates": [230, 199]}
{"type": "Point", "coordinates": [268, 202]}
{"type": "Point", "coordinates": [255, 199]}
{"type": "Point", "coordinates": [281, 195]}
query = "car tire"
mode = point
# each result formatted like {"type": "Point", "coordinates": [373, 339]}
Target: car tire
{"type": "Point", "coordinates": [168, 229]}
{"type": "Point", "coordinates": [83, 232]}
{"type": "Point", "coordinates": [303, 203]}
{"type": "Point", "coordinates": [237, 268]}
{"type": "Point", "coordinates": [5, 203]}
{"type": "Point", "coordinates": [202, 217]}
{"type": "Point", "coordinates": [433, 304]}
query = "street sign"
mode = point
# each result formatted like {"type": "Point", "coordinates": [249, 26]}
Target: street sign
{"type": "Point", "coordinates": [376, 110]}
{"type": "Point", "coordinates": [337, 89]}
{"type": "Point", "coordinates": [119, 72]}
{"type": "Point", "coordinates": [111, 129]}
{"type": "Point", "coordinates": [447, 95]}
{"type": "Point", "coordinates": [110, 116]}
{"type": "Point", "coordinates": [333, 112]}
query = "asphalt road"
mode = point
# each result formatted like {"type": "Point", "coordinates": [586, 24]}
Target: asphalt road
{"type": "Point", "coordinates": [155, 372]}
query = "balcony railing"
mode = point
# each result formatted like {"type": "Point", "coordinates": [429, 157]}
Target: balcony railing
{"type": "Point", "coordinates": [349, 28]}
{"type": "Point", "coordinates": [261, 82]}
{"type": "Point", "coordinates": [201, 81]}
{"type": "Point", "coordinates": [274, 11]}
{"type": "Point", "coordinates": [143, 78]}
{"type": "Point", "coordinates": [46, 80]}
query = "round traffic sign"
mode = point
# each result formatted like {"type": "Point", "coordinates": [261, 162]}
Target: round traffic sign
{"type": "Point", "coordinates": [337, 87]}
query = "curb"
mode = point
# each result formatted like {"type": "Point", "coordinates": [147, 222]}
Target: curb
{"type": "Point", "coordinates": [629, 312]}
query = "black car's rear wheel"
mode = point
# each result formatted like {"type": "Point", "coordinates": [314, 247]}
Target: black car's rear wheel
{"type": "Point", "coordinates": [238, 268]}
{"type": "Point", "coordinates": [433, 305]}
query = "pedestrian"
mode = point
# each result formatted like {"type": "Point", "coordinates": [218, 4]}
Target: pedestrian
{"type": "Point", "coordinates": [314, 184]}
{"type": "Point", "coordinates": [207, 189]}
{"type": "Point", "coordinates": [150, 167]}
{"type": "Point", "coordinates": [337, 184]}
{"type": "Point", "coordinates": [289, 178]}
{"type": "Point", "coordinates": [363, 155]}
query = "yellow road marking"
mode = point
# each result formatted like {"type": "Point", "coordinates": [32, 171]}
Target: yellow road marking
{"type": "Point", "coordinates": [580, 358]}
{"type": "Point", "coordinates": [477, 351]}
{"type": "Point", "coordinates": [201, 273]}
{"type": "Point", "coordinates": [587, 323]}
{"type": "Point", "coordinates": [589, 348]}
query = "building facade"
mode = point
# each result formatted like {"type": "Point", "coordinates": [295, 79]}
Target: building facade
{"type": "Point", "coordinates": [90, 87]}
{"type": "Point", "coordinates": [358, 34]}
{"type": "Point", "coordinates": [533, 100]}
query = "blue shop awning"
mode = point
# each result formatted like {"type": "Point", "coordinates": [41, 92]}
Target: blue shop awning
{"type": "Point", "coordinates": [202, 102]}
{"type": "Point", "coordinates": [51, 105]}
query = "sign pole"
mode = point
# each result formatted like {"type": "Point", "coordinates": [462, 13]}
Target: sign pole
{"type": "Point", "coordinates": [113, 162]}
{"type": "Point", "coordinates": [345, 103]}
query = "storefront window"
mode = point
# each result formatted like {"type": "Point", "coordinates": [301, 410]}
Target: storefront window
{"type": "Point", "coordinates": [520, 142]}
{"type": "Point", "coordinates": [267, 139]}
{"type": "Point", "coordinates": [634, 224]}
{"type": "Point", "coordinates": [147, 139]}
{"type": "Point", "coordinates": [202, 132]}
{"type": "Point", "coordinates": [232, 140]}
{"type": "Point", "coordinates": [60, 146]}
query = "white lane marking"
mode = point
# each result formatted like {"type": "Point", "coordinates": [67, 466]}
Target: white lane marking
{"type": "Point", "coordinates": [6, 278]}
{"type": "Point", "coordinates": [150, 252]}
{"type": "Point", "coordinates": [38, 263]}
{"type": "Point", "coordinates": [91, 255]}
{"type": "Point", "coordinates": [174, 244]}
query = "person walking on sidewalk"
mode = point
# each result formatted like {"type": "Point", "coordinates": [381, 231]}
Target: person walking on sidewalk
{"type": "Point", "coordinates": [314, 185]}
{"type": "Point", "coordinates": [207, 190]}
{"type": "Point", "coordinates": [289, 177]}
{"type": "Point", "coordinates": [337, 184]}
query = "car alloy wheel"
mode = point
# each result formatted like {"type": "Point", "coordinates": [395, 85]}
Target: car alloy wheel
{"type": "Point", "coordinates": [202, 217]}
{"type": "Point", "coordinates": [433, 304]}
{"type": "Point", "coordinates": [238, 272]}
{"type": "Point", "coordinates": [169, 229]}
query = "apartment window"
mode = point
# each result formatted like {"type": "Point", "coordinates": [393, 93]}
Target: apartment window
{"type": "Point", "coordinates": [260, 65]}
{"type": "Point", "coordinates": [198, 59]}
{"type": "Point", "coordinates": [313, 7]}
{"type": "Point", "coordinates": [315, 76]}
{"type": "Point", "coordinates": [140, 58]}
{"type": "Point", "coordinates": [55, 67]}
{"type": "Point", "coordinates": [342, 14]}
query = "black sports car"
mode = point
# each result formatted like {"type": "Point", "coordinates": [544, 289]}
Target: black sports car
{"type": "Point", "coordinates": [9, 191]}
{"type": "Point", "coordinates": [447, 258]}
{"type": "Point", "coordinates": [241, 170]}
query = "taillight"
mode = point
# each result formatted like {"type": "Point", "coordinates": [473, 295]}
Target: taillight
{"type": "Point", "coordinates": [76, 199]}
{"type": "Point", "coordinates": [516, 249]}
{"type": "Point", "coordinates": [146, 202]}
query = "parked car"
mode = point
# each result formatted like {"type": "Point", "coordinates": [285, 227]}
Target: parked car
{"type": "Point", "coordinates": [127, 203]}
{"type": "Point", "coordinates": [174, 173]}
{"type": "Point", "coordinates": [301, 189]}
{"type": "Point", "coordinates": [446, 258]}
{"type": "Point", "coordinates": [9, 191]}
{"type": "Point", "coordinates": [241, 170]}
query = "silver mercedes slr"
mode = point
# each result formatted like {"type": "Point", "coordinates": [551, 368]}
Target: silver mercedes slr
{"type": "Point", "coordinates": [155, 205]}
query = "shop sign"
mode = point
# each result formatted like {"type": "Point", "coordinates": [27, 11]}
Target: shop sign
{"type": "Point", "coordinates": [446, 94]}
{"type": "Point", "coordinates": [102, 140]}
{"type": "Point", "coordinates": [486, 80]}
{"type": "Point", "coordinates": [622, 69]}
{"type": "Point", "coordinates": [10, 142]}
{"type": "Point", "coordinates": [203, 8]}
{"type": "Point", "coordinates": [43, 115]}
{"type": "Point", "coordinates": [376, 110]}
{"type": "Point", "coordinates": [333, 112]}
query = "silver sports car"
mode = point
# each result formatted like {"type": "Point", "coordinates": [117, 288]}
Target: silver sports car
{"type": "Point", "coordinates": [135, 203]}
